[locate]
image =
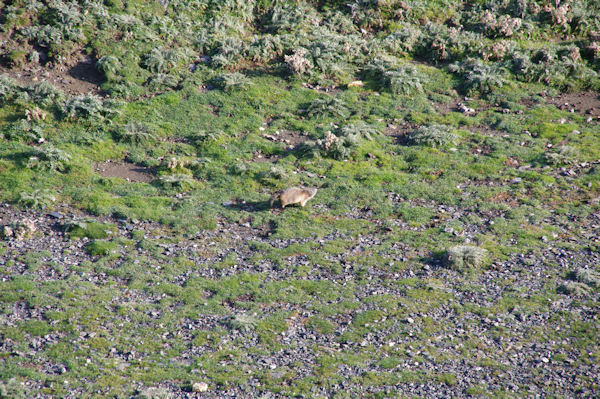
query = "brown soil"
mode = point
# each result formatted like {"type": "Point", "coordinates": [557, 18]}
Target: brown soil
{"type": "Point", "coordinates": [79, 76]}
{"type": "Point", "coordinates": [400, 131]}
{"type": "Point", "coordinates": [451, 106]}
{"type": "Point", "coordinates": [587, 103]}
{"type": "Point", "coordinates": [126, 171]}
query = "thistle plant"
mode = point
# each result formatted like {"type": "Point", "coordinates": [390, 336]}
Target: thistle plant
{"type": "Point", "coordinates": [358, 130]}
{"type": "Point", "coordinates": [38, 199]}
{"type": "Point", "coordinates": [48, 157]}
{"type": "Point", "coordinates": [478, 77]}
{"type": "Point", "coordinates": [433, 136]}
{"type": "Point", "coordinates": [44, 94]}
{"type": "Point", "coordinates": [89, 106]}
{"type": "Point", "coordinates": [404, 80]}
{"type": "Point", "coordinates": [563, 155]}
{"type": "Point", "coordinates": [135, 133]}
{"type": "Point", "coordinates": [161, 60]}
{"type": "Point", "coordinates": [108, 64]}
{"type": "Point", "coordinates": [331, 106]}
{"type": "Point", "coordinates": [27, 131]}
{"type": "Point", "coordinates": [8, 87]}
{"type": "Point", "coordinates": [235, 81]}
{"type": "Point", "coordinates": [265, 48]}
{"type": "Point", "coordinates": [177, 181]}
{"type": "Point", "coordinates": [162, 80]}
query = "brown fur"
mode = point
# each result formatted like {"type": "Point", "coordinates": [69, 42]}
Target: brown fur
{"type": "Point", "coordinates": [293, 195]}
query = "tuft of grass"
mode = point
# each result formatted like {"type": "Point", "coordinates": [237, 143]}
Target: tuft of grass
{"type": "Point", "coordinates": [101, 247]}
{"type": "Point", "coordinates": [462, 257]}
{"type": "Point", "coordinates": [91, 230]}
{"type": "Point", "coordinates": [243, 322]}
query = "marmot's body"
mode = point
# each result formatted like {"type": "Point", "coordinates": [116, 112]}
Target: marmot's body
{"type": "Point", "coordinates": [294, 195]}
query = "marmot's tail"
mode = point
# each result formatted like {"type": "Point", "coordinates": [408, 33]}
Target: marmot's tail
{"type": "Point", "coordinates": [274, 198]}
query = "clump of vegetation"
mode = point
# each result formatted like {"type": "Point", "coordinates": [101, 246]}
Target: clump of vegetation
{"type": "Point", "coordinates": [329, 106]}
{"type": "Point", "coordinates": [89, 106]}
{"type": "Point", "coordinates": [135, 133]}
{"type": "Point", "coordinates": [404, 79]}
{"type": "Point", "coordinates": [48, 157]}
{"type": "Point", "coordinates": [20, 229]}
{"type": "Point", "coordinates": [108, 64]}
{"type": "Point", "coordinates": [101, 247]}
{"type": "Point", "coordinates": [235, 81]}
{"type": "Point", "coordinates": [243, 322]}
{"type": "Point", "coordinates": [91, 229]}
{"type": "Point", "coordinates": [581, 282]}
{"type": "Point", "coordinates": [13, 389]}
{"type": "Point", "coordinates": [297, 62]}
{"type": "Point", "coordinates": [38, 199]}
{"type": "Point", "coordinates": [479, 77]}
{"type": "Point", "coordinates": [464, 257]}
{"type": "Point", "coordinates": [574, 288]}
{"type": "Point", "coordinates": [587, 276]}
{"type": "Point", "coordinates": [433, 136]}
{"type": "Point", "coordinates": [563, 155]}
{"type": "Point", "coordinates": [178, 181]}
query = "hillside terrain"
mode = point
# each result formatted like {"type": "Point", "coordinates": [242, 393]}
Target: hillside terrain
{"type": "Point", "coordinates": [452, 248]}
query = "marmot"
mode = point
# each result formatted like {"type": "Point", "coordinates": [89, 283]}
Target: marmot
{"type": "Point", "coordinates": [294, 195]}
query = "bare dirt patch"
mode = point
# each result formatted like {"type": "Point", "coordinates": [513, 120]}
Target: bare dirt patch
{"type": "Point", "coordinates": [291, 139]}
{"type": "Point", "coordinates": [450, 106]}
{"type": "Point", "coordinates": [79, 76]}
{"type": "Point", "coordinates": [124, 170]}
{"type": "Point", "coordinates": [587, 103]}
{"type": "Point", "coordinates": [400, 131]}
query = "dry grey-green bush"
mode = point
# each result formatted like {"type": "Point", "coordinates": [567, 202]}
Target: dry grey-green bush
{"type": "Point", "coordinates": [479, 77]}
{"type": "Point", "coordinates": [243, 322]}
{"type": "Point", "coordinates": [433, 135]}
{"type": "Point", "coordinates": [563, 155]}
{"type": "Point", "coordinates": [358, 130]}
{"type": "Point", "coordinates": [178, 181]}
{"type": "Point", "coordinates": [463, 257]}
{"type": "Point", "coordinates": [574, 288]}
{"type": "Point", "coordinates": [48, 157]}
{"type": "Point", "coordinates": [19, 230]}
{"type": "Point", "coordinates": [108, 64]}
{"type": "Point", "coordinates": [331, 106]}
{"type": "Point", "coordinates": [38, 199]}
{"type": "Point", "coordinates": [135, 133]}
{"type": "Point", "coordinates": [587, 276]}
{"type": "Point", "coordinates": [90, 106]}
{"type": "Point", "coordinates": [235, 81]}
{"type": "Point", "coordinates": [162, 81]}
{"type": "Point", "coordinates": [297, 62]}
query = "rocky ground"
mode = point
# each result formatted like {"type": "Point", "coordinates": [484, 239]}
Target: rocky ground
{"type": "Point", "coordinates": [506, 329]}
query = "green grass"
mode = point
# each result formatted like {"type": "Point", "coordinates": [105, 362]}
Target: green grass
{"type": "Point", "coordinates": [203, 95]}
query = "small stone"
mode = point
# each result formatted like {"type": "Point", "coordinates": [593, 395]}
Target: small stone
{"type": "Point", "coordinates": [200, 387]}
{"type": "Point", "coordinates": [410, 320]}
